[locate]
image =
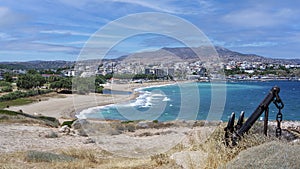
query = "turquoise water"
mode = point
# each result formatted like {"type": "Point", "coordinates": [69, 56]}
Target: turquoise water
{"type": "Point", "coordinates": [194, 101]}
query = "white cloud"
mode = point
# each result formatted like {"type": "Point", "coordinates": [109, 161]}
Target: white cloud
{"type": "Point", "coordinates": [30, 46]}
{"type": "Point", "coordinates": [259, 44]}
{"type": "Point", "coordinates": [65, 32]}
{"type": "Point", "coordinates": [167, 6]}
{"type": "Point", "coordinates": [156, 6]}
{"type": "Point", "coordinates": [76, 33]}
{"type": "Point", "coordinates": [173, 6]}
{"type": "Point", "coordinates": [259, 17]}
{"type": "Point", "coordinates": [3, 11]}
{"type": "Point", "coordinates": [207, 7]}
{"type": "Point", "coordinates": [6, 37]}
{"type": "Point", "coordinates": [10, 18]}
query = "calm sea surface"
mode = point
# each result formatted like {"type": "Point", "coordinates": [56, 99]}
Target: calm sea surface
{"type": "Point", "coordinates": [194, 101]}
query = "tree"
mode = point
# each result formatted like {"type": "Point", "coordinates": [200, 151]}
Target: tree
{"type": "Point", "coordinates": [99, 89]}
{"type": "Point", "coordinates": [152, 77]}
{"type": "Point", "coordinates": [8, 77]}
{"type": "Point", "coordinates": [54, 79]}
{"type": "Point", "coordinates": [63, 83]}
{"type": "Point", "coordinates": [29, 81]}
{"type": "Point", "coordinates": [32, 71]}
{"type": "Point", "coordinates": [139, 76]}
{"type": "Point", "coordinates": [5, 87]}
{"type": "Point", "coordinates": [49, 71]}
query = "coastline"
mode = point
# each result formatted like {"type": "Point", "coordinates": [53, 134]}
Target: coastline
{"type": "Point", "coordinates": [67, 106]}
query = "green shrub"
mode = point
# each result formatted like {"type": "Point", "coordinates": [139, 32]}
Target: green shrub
{"type": "Point", "coordinates": [155, 121]}
{"type": "Point", "coordinates": [3, 83]}
{"type": "Point", "coordinates": [38, 156]}
{"type": "Point", "coordinates": [7, 112]}
{"type": "Point", "coordinates": [50, 121]}
{"type": "Point", "coordinates": [128, 121]}
{"type": "Point", "coordinates": [19, 94]}
{"type": "Point", "coordinates": [47, 118]}
{"type": "Point", "coordinates": [68, 123]}
{"type": "Point", "coordinates": [99, 89]}
{"type": "Point", "coordinates": [7, 89]}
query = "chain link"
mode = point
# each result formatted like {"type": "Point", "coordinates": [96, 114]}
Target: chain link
{"type": "Point", "coordinates": [279, 120]}
{"type": "Point", "coordinates": [279, 104]}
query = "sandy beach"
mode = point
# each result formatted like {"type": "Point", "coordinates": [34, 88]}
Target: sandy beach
{"type": "Point", "coordinates": [67, 105]}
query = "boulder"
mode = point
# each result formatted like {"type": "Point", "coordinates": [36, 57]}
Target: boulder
{"type": "Point", "coordinates": [78, 127]}
{"type": "Point", "coordinates": [273, 154]}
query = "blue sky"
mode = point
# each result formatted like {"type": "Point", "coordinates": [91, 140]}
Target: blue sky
{"type": "Point", "coordinates": [58, 29]}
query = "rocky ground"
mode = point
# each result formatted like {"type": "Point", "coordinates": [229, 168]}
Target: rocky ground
{"type": "Point", "coordinates": [22, 137]}
{"type": "Point", "coordinates": [135, 139]}
{"type": "Point", "coordinates": [178, 144]}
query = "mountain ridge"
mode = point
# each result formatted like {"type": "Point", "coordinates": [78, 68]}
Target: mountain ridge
{"type": "Point", "coordinates": [184, 53]}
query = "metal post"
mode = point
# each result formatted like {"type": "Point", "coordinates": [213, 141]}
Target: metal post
{"type": "Point", "coordinates": [240, 121]}
{"type": "Point", "coordinates": [266, 121]}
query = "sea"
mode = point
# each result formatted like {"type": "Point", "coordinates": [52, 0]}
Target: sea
{"type": "Point", "coordinates": [200, 101]}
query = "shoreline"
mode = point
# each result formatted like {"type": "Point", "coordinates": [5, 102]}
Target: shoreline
{"type": "Point", "coordinates": [67, 106]}
{"type": "Point", "coordinates": [134, 88]}
{"type": "Point", "coordinates": [71, 104]}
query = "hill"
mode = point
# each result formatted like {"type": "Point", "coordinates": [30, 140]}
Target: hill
{"type": "Point", "coordinates": [177, 54]}
{"type": "Point", "coordinates": [36, 65]}
{"type": "Point", "coordinates": [205, 53]}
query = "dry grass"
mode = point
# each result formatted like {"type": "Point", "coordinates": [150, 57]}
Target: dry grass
{"type": "Point", "coordinates": [71, 159]}
{"type": "Point", "coordinates": [89, 154]}
{"type": "Point", "coordinates": [27, 119]}
{"type": "Point", "coordinates": [161, 159]}
{"type": "Point", "coordinates": [21, 120]}
{"type": "Point", "coordinates": [217, 155]}
{"type": "Point", "coordinates": [215, 152]}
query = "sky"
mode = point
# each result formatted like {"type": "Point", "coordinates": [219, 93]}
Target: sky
{"type": "Point", "coordinates": [59, 29]}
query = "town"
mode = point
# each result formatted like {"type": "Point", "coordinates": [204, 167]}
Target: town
{"type": "Point", "coordinates": [233, 70]}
